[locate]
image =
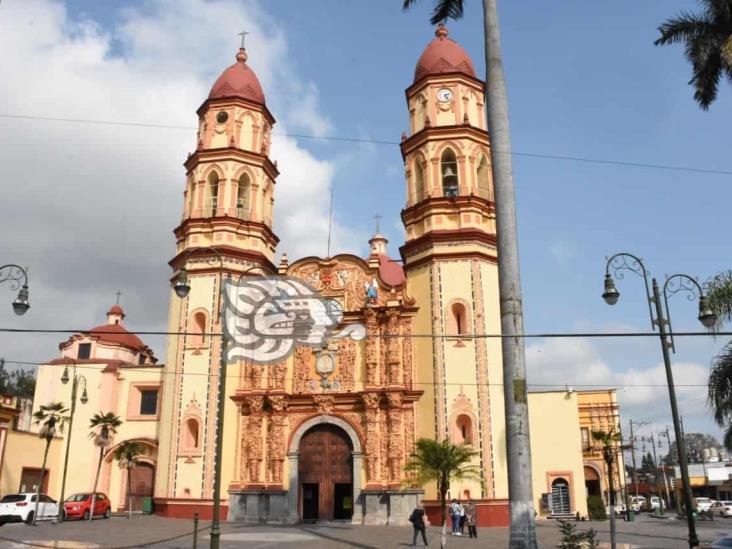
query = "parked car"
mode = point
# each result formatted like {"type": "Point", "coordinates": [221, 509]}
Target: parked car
{"type": "Point", "coordinates": [79, 506]}
{"type": "Point", "coordinates": [21, 507]}
{"type": "Point", "coordinates": [704, 504]}
{"type": "Point", "coordinates": [724, 508]}
{"type": "Point", "coordinates": [722, 543]}
{"type": "Point", "coordinates": [638, 503]}
{"type": "Point", "coordinates": [619, 509]}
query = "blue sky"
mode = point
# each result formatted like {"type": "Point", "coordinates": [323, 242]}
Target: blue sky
{"type": "Point", "coordinates": [584, 80]}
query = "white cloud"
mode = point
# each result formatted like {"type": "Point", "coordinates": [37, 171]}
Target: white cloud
{"type": "Point", "coordinates": [91, 208]}
{"type": "Point", "coordinates": [642, 390]}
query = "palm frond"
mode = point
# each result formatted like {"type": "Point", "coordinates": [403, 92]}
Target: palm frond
{"type": "Point", "coordinates": [685, 26]}
{"type": "Point", "coordinates": [446, 9]}
{"type": "Point", "coordinates": [408, 4]}
{"type": "Point", "coordinates": [719, 287]}
{"type": "Point", "coordinates": [127, 452]}
{"type": "Point", "coordinates": [720, 386]}
{"type": "Point", "coordinates": [727, 441]}
{"type": "Point", "coordinates": [720, 10]}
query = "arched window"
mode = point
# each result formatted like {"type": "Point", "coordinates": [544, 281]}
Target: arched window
{"type": "Point", "coordinates": [242, 197]}
{"type": "Point", "coordinates": [198, 329]}
{"type": "Point", "coordinates": [459, 319]}
{"type": "Point", "coordinates": [561, 504]}
{"type": "Point", "coordinates": [418, 181]}
{"type": "Point", "coordinates": [464, 429]}
{"type": "Point", "coordinates": [449, 171]}
{"type": "Point", "coordinates": [191, 434]}
{"type": "Point", "coordinates": [213, 195]}
{"type": "Point", "coordinates": [483, 177]}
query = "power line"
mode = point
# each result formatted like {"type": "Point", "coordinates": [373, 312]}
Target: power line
{"type": "Point", "coordinates": [587, 160]}
{"type": "Point", "coordinates": [548, 335]}
{"type": "Point", "coordinates": [562, 385]}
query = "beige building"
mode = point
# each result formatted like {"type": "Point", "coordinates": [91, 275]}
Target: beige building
{"type": "Point", "coordinates": [119, 374]}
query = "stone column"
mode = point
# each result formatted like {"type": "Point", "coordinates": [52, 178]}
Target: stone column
{"type": "Point", "coordinates": [293, 487]}
{"type": "Point", "coordinates": [357, 503]}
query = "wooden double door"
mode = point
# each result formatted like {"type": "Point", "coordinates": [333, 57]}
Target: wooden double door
{"type": "Point", "coordinates": [325, 471]}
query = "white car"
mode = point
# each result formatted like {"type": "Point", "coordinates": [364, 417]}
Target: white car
{"type": "Point", "coordinates": [724, 508]}
{"type": "Point", "coordinates": [638, 503]}
{"type": "Point", "coordinates": [20, 508]}
{"type": "Point", "coordinates": [704, 504]}
{"type": "Point", "coordinates": [655, 504]}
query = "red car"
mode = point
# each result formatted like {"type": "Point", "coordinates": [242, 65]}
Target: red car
{"type": "Point", "coordinates": [79, 506]}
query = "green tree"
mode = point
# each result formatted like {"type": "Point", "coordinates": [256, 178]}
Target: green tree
{"type": "Point", "coordinates": [21, 383]}
{"type": "Point", "coordinates": [51, 419]}
{"type": "Point", "coordinates": [442, 462]}
{"type": "Point", "coordinates": [719, 292]}
{"type": "Point", "coordinates": [707, 37]}
{"type": "Point", "coordinates": [103, 427]}
{"type": "Point", "coordinates": [127, 454]}
{"type": "Point", "coordinates": [518, 446]}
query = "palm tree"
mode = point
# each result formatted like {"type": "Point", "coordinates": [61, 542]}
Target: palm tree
{"type": "Point", "coordinates": [103, 427]}
{"type": "Point", "coordinates": [719, 293]}
{"type": "Point", "coordinates": [610, 444]}
{"type": "Point", "coordinates": [51, 418]}
{"type": "Point", "coordinates": [518, 446]}
{"type": "Point", "coordinates": [126, 455]}
{"type": "Point", "coordinates": [707, 37]}
{"type": "Point", "coordinates": [441, 462]}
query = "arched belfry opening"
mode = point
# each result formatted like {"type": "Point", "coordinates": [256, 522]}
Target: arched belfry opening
{"type": "Point", "coordinates": [325, 471]}
{"type": "Point", "coordinates": [449, 171]}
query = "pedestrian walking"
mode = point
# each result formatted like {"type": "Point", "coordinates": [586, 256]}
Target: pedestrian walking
{"type": "Point", "coordinates": [470, 518]}
{"type": "Point", "coordinates": [417, 520]}
{"type": "Point", "coordinates": [462, 518]}
{"type": "Point", "coordinates": [455, 516]}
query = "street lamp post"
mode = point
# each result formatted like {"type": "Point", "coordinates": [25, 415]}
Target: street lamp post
{"type": "Point", "coordinates": [16, 274]}
{"type": "Point", "coordinates": [181, 287]}
{"type": "Point", "coordinates": [662, 320]}
{"type": "Point", "coordinates": [84, 399]}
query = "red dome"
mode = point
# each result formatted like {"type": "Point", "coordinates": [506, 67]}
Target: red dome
{"type": "Point", "coordinates": [116, 333]}
{"type": "Point", "coordinates": [116, 310]}
{"type": "Point", "coordinates": [238, 81]}
{"type": "Point", "coordinates": [443, 55]}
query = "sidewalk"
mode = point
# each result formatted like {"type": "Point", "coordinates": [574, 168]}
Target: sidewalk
{"type": "Point", "coordinates": [164, 533]}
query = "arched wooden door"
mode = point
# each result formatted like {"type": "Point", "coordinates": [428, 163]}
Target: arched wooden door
{"type": "Point", "coordinates": [142, 482]}
{"type": "Point", "coordinates": [325, 470]}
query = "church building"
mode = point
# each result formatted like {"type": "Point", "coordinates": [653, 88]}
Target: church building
{"type": "Point", "coordinates": [324, 433]}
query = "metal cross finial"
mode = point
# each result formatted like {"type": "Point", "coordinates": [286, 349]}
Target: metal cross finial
{"type": "Point", "coordinates": [118, 293]}
{"type": "Point", "coordinates": [243, 35]}
{"type": "Point", "coordinates": [377, 218]}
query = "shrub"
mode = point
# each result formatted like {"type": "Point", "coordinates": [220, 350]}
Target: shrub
{"type": "Point", "coordinates": [596, 508]}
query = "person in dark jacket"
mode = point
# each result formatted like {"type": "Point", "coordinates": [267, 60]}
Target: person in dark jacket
{"type": "Point", "coordinates": [417, 520]}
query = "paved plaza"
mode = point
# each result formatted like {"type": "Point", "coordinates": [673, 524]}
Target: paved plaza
{"type": "Point", "coordinates": [162, 533]}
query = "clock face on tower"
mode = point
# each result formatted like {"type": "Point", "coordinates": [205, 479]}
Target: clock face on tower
{"type": "Point", "coordinates": [444, 95]}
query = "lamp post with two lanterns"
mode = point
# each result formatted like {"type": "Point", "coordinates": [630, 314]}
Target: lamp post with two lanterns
{"type": "Point", "coordinates": [181, 286]}
{"type": "Point", "coordinates": [76, 379]}
{"type": "Point", "coordinates": [16, 274]}
{"type": "Point", "coordinates": [662, 320]}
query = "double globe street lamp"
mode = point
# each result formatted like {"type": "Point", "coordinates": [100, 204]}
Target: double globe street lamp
{"type": "Point", "coordinates": [182, 287]}
{"type": "Point", "coordinates": [76, 379]}
{"type": "Point", "coordinates": [16, 274]}
{"type": "Point", "coordinates": [662, 320]}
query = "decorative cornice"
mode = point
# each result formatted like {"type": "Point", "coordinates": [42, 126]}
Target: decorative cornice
{"type": "Point", "coordinates": [440, 133]}
{"type": "Point", "coordinates": [257, 159]}
{"type": "Point", "coordinates": [240, 101]}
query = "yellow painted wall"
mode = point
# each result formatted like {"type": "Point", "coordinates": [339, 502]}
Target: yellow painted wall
{"type": "Point", "coordinates": [556, 446]}
{"type": "Point", "coordinates": [25, 449]}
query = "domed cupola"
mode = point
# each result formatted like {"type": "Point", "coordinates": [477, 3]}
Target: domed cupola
{"type": "Point", "coordinates": [443, 56]}
{"type": "Point", "coordinates": [238, 81]}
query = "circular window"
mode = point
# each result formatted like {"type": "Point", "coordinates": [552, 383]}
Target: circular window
{"type": "Point", "coordinates": [222, 116]}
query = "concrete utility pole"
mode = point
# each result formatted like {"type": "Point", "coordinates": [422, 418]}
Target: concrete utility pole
{"type": "Point", "coordinates": [518, 446]}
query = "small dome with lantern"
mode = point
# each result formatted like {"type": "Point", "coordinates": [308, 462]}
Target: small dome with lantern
{"type": "Point", "coordinates": [238, 81]}
{"type": "Point", "coordinates": [443, 56]}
